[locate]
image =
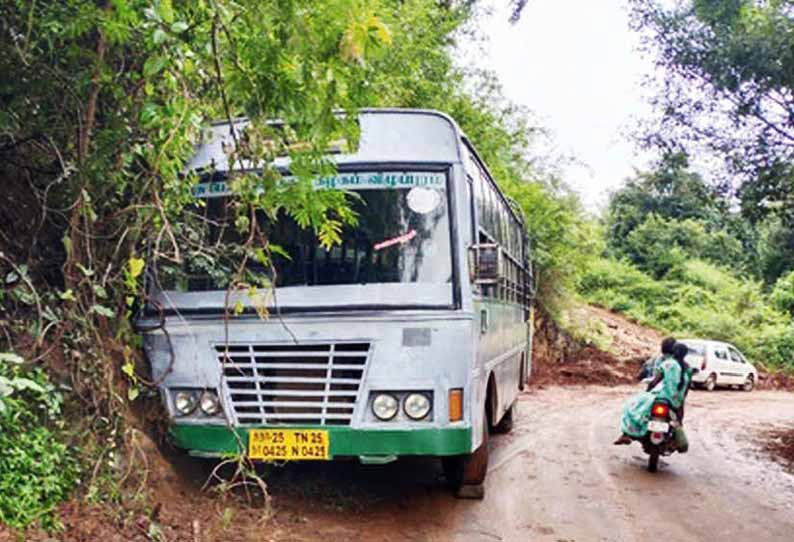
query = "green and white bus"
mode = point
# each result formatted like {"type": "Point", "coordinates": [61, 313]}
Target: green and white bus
{"type": "Point", "coordinates": [410, 337]}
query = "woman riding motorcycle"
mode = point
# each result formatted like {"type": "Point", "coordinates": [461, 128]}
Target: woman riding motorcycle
{"type": "Point", "coordinates": [671, 383]}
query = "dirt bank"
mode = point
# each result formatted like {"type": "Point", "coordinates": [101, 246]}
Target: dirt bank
{"type": "Point", "coordinates": [622, 346]}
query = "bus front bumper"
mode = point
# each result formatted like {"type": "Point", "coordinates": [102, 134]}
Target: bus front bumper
{"type": "Point", "coordinates": [220, 440]}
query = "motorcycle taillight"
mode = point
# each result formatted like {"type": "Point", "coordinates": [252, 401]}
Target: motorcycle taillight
{"type": "Point", "coordinates": [660, 410]}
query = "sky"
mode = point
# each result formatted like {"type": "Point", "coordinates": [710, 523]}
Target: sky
{"type": "Point", "coordinates": [576, 64]}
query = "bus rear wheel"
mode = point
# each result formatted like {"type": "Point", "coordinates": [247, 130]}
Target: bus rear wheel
{"type": "Point", "coordinates": [505, 425]}
{"type": "Point", "coordinates": [466, 473]}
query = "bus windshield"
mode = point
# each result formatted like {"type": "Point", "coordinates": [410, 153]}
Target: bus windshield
{"type": "Point", "coordinates": [402, 235]}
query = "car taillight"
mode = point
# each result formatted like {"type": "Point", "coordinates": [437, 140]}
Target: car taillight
{"type": "Point", "coordinates": [660, 410]}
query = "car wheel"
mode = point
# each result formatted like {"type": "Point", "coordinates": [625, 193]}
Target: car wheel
{"type": "Point", "coordinates": [749, 384]}
{"type": "Point", "coordinates": [711, 382]}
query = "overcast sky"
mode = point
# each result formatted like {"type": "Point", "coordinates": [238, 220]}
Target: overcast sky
{"type": "Point", "coordinates": [575, 64]}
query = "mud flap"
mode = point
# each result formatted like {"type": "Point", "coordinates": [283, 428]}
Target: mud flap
{"type": "Point", "coordinates": [681, 442]}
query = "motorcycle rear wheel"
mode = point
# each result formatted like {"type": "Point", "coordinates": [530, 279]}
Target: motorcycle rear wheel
{"type": "Point", "coordinates": [653, 461]}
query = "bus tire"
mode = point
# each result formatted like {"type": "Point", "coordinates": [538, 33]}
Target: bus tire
{"type": "Point", "coordinates": [523, 377]}
{"type": "Point", "coordinates": [505, 425]}
{"type": "Point", "coordinates": [466, 473]}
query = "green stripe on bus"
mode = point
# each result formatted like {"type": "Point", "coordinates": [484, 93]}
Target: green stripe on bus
{"type": "Point", "coordinates": [345, 441]}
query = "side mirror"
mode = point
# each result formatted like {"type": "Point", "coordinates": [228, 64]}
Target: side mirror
{"type": "Point", "coordinates": [485, 263]}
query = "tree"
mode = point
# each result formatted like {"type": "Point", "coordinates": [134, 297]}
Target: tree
{"type": "Point", "coordinates": [728, 87]}
{"type": "Point", "coordinates": [775, 250]}
{"type": "Point", "coordinates": [669, 191]}
{"type": "Point", "coordinates": [782, 295]}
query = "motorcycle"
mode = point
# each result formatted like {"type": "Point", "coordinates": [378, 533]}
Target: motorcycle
{"type": "Point", "coordinates": [660, 440]}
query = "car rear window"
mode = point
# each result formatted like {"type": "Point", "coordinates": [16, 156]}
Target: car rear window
{"type": "Point", "coordinates": [695, 348]}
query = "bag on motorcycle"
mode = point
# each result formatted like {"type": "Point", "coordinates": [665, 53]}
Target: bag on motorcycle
{"type": "Point", "coordinates": [681, 442]}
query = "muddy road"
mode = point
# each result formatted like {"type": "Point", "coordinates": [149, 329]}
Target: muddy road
{"type": "Point", "coordinates": [557, 477]}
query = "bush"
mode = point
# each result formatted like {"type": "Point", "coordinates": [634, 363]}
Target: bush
{"type": "Point", "coordinates": [774, 346]}
{"type": "Point", "coordinates": [782, 296]}
{"type": "Point", "coordinates": [37, 471]}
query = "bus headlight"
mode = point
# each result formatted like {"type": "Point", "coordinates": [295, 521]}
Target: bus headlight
{"type": "Point", "coordinates": [416, 406]}
{"type": "Point", "coordinates": [385, 406]}
{"type": "Point", "coordinates": [185, 402]}
{"type": "Point", "coordinates": [210, 404]}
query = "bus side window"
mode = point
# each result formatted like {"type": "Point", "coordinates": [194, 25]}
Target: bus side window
{"type": "Point", "coordinates": [472, 199]}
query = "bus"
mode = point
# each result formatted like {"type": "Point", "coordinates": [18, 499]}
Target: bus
{"type": "Point", "coordinates": [411, 337]}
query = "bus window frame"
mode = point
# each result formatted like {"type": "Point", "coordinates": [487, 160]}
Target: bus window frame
{"type": "Point", "coordinates": [352, 167]}
{"type": "Point", "coordinates": [501, 209]}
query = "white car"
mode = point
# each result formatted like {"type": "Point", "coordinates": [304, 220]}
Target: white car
{"type": "Point", "coordinates": [719, 364]}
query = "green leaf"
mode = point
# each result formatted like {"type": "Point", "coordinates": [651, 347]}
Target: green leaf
{"type": "Point", "coordinates": [68, 295]}
{"type": "Point", "coordinates": [88, 273]}
{"type": "Point", "coordinates": [100, 291]}
{"type": "Point", "coordinates": [166, 11]}
{"type": "Point", "coordinates": [103, 311]}
{"type": "Point", "coordinates": [22, 384]}
{"type": "Point", "coordinates": [128, 369]}
{"type": "Point", "coordinates": [6, 388]}
{"type": "Point", "coordinates": [179, 27]}
{"type": "Point", "coordinates": [10, 357]}
{"type": "Point", "coordinates": [154, 65]}
{"type": "Point", "coordinates": [159, 36]}
{"type": "Point", "coordinates": [278, 249]}
{"type": "Point", "coordinates": [239, 307]}
{"type": "Point", "coordinates": [135, 266]}
{"type": "Point", "coordinates": [133, 393]}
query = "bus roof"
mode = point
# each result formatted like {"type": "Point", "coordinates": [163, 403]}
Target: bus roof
{"type": "Point", "coordinates": [387, 135]}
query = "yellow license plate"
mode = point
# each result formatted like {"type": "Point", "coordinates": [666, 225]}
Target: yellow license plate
{"type": "Point", "coordinates": [288, 444]}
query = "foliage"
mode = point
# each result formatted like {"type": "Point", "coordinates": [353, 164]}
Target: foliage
{"type": "Point", "coordinates": [696, 299]}
{"type": "Point", "coordinates": [775, 249]}
{"type": "Point", "coordinates": [728, 86]}
{"type": "Point", "coordinates": [782, 295]}
{"type": "Point", "coordinates": [669, 213]}
{"type": "Point", "coordinates": [658, 245]}
{"type": "Point", "coordinates": [670, 190]}
{"type": "Point", "coordinates": [37, 471]}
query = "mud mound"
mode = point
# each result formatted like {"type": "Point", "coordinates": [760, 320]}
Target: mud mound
{"type": "Point", "coordinates": [588, 366]}
{"type": "Point", "coordinates": [623, 346]}
{"type": "Point", "coordinates": [779, 444]}
{"type": "Point", "coordinates": [776, 381]}
{"type": "Point", "coordinates": [628, 340]}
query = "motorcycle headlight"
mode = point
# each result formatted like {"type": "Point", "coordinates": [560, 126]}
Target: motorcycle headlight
{"type": "Point", "coordinates": [185, 402]}
{"type": "Point", "coordinates": [385, 406]}
{"type": "Point", "coordinates": [416, 406]}
{"type": "Point", "coordinates": [210, 404]}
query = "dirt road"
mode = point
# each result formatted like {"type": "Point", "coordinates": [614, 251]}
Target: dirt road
{"type": "Point", "coordinates": [558, 478]}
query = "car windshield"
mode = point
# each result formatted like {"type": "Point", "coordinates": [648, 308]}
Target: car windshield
{"type": "Point", "coordinates": [402, 235]}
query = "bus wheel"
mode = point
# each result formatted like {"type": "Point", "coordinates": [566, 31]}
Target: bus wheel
{"type": "Point", "coordinates": [505, 425]}
{"type": "Point", "coordinates": [466, 473]}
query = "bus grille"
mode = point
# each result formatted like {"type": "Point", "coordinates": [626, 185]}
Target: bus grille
{"type": "Point", "coordinates": [289, 384]}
